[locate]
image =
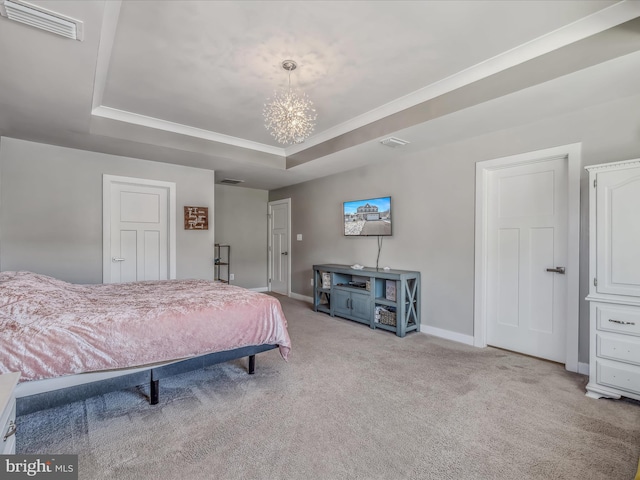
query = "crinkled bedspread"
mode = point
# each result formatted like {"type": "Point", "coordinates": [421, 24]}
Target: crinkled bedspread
{"type": "Point", "coordinates": [50, 328]}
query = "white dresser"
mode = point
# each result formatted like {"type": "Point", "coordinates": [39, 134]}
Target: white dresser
{"type": "Point", "coordinates": [614, 276]}
{"type": "Point", "coordinates": [8, 384]}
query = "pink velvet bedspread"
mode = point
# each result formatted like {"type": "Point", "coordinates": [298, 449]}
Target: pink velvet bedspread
{"type": "Point", "coordinates": [50, 328]}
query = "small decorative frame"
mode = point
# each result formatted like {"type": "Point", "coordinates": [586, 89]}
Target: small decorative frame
{"type": "Point", "coordinates": [196, 218]}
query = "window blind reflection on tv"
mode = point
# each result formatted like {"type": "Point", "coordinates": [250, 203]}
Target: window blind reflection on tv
{"type": "Point", "coordinates": [369, 217]}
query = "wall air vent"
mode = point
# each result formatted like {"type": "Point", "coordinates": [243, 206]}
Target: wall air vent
{"type": "Point", "coordinates": [231, 181]}
{"type": "Point", "coordinates": [42, 18]}
{"type": "Point", "coordinates": [393, 142]}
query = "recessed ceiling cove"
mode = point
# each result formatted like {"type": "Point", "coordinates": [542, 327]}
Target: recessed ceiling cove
{"type": "Point", "coordinates": [210, 65]}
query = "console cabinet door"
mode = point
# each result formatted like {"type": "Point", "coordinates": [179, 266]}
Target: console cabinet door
{"type": "Point", "coordinates": [618, 232]}
{"type": "Point", "coordinates": [361, 306]}
{"type": "Point", "coordinates": [341, 302]}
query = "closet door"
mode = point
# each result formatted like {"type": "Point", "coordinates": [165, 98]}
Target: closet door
{"type": "Point", "coordinates": [618, 232]}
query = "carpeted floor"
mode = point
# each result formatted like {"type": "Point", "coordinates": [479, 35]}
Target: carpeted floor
{"type": "Point", "coordinates": [351, 403]}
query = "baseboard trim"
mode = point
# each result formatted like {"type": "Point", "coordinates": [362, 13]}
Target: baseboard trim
{"type": "Point", "coordinates": [583, 368]}
{"type": "Point", "coordinates": [259, 289]}
{"type": "Point", "coordinates": [303, 298]}
{"type": "Point", "coordinates": [447, 334]}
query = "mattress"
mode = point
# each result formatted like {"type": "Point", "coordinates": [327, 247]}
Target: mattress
{"type": "Point", "coordinates": [50, 328]}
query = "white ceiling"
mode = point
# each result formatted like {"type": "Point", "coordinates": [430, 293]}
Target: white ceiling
{"type": "Point", "coordinates": [185, 81]}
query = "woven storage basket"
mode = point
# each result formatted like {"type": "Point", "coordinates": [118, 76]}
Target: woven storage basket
{"type": "Point", "coordinates": [388, 318]}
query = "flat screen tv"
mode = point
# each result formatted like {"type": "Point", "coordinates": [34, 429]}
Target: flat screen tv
{"type": "Point", "coordinates": [365, 218]}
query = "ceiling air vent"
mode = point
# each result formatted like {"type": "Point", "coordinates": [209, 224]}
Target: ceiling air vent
{"type": "Point", "coordinates": [393, 142]}
{"type": "Point", "coordinates": [41, 18]}
{"type": "Point", "coordinates": [231, 181]}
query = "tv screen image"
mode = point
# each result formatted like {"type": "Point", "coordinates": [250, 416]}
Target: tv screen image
{"type": "Point", "coordinates": [370, 217]}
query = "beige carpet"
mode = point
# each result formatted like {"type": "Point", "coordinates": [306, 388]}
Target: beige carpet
{"type": "Point", "coordinates": [352, 403]}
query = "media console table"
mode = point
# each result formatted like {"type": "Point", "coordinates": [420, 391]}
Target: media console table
{"type": "Point", "coordinates": [386, 299]}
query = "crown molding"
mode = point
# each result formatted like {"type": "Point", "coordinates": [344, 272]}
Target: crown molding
{"type": "Point", "coordinates": [159, 124]}
{"type": "Point", "coordinates": [633, 163]}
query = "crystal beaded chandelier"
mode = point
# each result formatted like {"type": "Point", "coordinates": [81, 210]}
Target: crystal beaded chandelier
{"type": "Point", "coordinates": [289, 116]}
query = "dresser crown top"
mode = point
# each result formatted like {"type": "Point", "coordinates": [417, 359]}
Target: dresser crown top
{"type": "Point", "coordinates": [622, 164]}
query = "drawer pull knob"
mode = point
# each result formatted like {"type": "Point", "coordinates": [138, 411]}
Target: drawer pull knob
{"type": "Point", "coordinates": [13, 428]}
{"type": "Point", "coordinates": [621, 322]}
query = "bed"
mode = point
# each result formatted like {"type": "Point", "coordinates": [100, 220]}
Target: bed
{"type": "Point", "coordinates": [71, 341]}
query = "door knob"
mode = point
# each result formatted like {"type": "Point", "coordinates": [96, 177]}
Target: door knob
{"type": "Point", "coordinates": [117, 259]}
{"type": "Point", "coordinates": [556, 270]}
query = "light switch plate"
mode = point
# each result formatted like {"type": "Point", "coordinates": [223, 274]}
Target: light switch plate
{"type": "Point", "coordinates": [299, 237]}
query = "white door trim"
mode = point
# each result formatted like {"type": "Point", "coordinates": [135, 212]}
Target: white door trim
{"type": "Point", "coordinates": [287, 202]}
{"type": "Point", "coordinates": [573, 154]}
{"type": "Point", "coordinates": [107, 180]}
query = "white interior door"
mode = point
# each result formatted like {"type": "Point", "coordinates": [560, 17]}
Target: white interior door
{"type": "Point", "coordinates": [139, 219]}
{"type": "Point", "coordinates": [526, 257]}
{"type": "Point", "coordinates": [279, 258]}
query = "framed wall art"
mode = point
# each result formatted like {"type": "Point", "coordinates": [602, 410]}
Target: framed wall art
{"type": "Point", "coordinates": [196, 218]}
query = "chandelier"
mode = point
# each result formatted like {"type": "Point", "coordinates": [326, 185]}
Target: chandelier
{"type": "Point", "coordinates": [289, 116]}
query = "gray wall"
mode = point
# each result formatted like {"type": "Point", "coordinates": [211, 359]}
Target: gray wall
{"type": "Point", "coordinates": [51, 210]}
{"type": "Point", "coordinates": [434, 207]}
{"type": "Point", "coordinates": [241, 221]}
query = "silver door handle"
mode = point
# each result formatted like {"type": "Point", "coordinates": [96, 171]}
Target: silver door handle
{"type": "Point", "coordinates": [117, 259]}
{"type": "Point", "coordinates": [556, 270]}
{"type": "Point", "coordinates": [285, 253]}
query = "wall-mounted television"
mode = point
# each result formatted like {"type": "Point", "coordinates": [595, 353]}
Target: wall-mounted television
{"type": "Point", "coordinates": [365, 218]}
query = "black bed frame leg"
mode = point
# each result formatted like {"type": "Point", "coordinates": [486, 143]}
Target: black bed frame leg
{"type": "Point", "coordinates": [252, 364]}
{"type": "Point", "coordinates": [154, 392]}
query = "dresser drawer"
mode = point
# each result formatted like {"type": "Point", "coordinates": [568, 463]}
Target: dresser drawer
{"type": "Point", "coordinates": [8, 445]}
{"type": "Point", "coordinates": [618, 318]}
{"type": "Point", "coordinates": [618, 375]}
{"type": "Point", "coordinates": [618, 347]}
